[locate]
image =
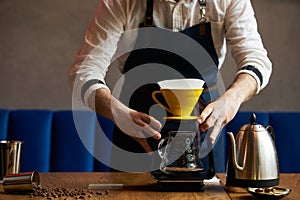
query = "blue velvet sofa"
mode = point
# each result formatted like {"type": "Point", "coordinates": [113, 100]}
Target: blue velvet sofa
{"type": "Point", "coordinates": [52, 142]}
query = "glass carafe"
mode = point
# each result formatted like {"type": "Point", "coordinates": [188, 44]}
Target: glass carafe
{"type": "Point", "coordinates": [180, 153]}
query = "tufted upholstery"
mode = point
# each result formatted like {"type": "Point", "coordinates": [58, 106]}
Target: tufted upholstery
{"type": "Point", "coordinates": [53, 142]}
{"type": "Point", "coordinates": [287, 136]}
{"type": "Point", "coordinates": [33, 127]}
{"type": "Point", "coordinates": [69, 154]}
{"type": "Point", "coordinates": [3, 124]}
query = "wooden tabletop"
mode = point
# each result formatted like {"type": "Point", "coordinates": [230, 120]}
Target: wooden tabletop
{"type": "Point", "coordinates": [290, 181]}
{"type": "Point", "coordinates": [137, 186]}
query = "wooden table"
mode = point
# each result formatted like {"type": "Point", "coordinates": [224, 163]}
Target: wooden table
{"type": "Point", "coordinates": [140, 186]}
{"type": "Point", "coordinates": [291, 181]}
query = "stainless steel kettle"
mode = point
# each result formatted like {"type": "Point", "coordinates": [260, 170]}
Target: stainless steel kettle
{"type": "Point", "coordinates": [253, 161]}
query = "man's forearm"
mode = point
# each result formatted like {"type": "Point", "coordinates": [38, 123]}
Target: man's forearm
{"type": "Point", "coordinates": [243, 88]}
{"type": "Point", "coordinates": [103, 103]}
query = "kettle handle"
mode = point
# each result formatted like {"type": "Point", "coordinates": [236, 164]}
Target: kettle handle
{"type": "Point", "coordinates": [270, 129]}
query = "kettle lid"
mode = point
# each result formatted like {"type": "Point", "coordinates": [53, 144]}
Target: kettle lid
{"type": "Point", "coordinates": [253, 126]}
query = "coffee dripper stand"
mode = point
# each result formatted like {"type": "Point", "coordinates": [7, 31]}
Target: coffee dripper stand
{"type": "Point", "coordinates": [190, 181]}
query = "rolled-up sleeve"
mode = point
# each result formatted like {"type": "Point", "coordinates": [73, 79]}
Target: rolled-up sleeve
{"type": "Point", "coordinates": [100, 43]}
{"type": "Point", "coordinates": [245, 42]}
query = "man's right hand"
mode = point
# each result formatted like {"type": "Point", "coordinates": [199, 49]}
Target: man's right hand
{"type": "Point", "coordinates": [136, 124]}
{"type": "Point", "coordinates": [141, 127]}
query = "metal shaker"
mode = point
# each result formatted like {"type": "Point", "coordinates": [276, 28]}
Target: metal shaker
{"type": "Point", "coordinates": [10, 153]}
{"type": "Point", "coordinates": [21, 183]}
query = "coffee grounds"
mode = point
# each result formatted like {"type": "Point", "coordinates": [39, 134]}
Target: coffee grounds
{"type": "Point", "coordinates": [65, 194]}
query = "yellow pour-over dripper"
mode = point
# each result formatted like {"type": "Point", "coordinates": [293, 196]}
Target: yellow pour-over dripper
{"type": "Point", "coordinates": [181, 96]}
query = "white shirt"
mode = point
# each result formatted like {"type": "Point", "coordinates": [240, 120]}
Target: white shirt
{"type": "Point", "coordinates": [232, 22]}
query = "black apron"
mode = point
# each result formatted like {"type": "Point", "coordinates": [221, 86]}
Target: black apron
{"type": "Point", "coordinates": [141, 98]}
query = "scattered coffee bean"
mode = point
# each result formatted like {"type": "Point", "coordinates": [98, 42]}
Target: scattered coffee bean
{"type": "Point", "coordinates": [68, 194]}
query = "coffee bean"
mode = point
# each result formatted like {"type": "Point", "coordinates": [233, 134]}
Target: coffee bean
{"type": "Point", "coordinates": [69, 194]}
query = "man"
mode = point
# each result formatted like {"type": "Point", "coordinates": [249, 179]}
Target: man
{"type": "Point", "coordinates": [219, 22]}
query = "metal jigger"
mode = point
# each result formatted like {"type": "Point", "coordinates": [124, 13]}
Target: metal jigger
{"type": "Point", "coordinates": [10, 153]}
{"type": "Point", "coordinates": [21, 183]}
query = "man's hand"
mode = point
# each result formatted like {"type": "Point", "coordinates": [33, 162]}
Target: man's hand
{"type": "Point", "coordinates": [137, 125]}
{"type": "Point", "coordinates": [217, 114]}
{"type": "Point", "coordinates": [220, 112]}
{"type": "Point", "coordinates": [146, 124]}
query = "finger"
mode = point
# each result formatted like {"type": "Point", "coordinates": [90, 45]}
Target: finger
{"type": "Point", "coordinates": [137, 118]}
{"type": "Point", "coordinates": [152, 126]}
{"type": "Point", "coordinates": [155, 124]}
{"type": "Point", "coordinates": [215, 133]}
{"type": "Point", "coordinates": [209, 122]}
{"type": "Point", "coordinates": [153, 133]}
{"type": "Point", "coordinates": [217, 128]}
{"type": "Point", "coordinates": [205, 114]}
{"type": "Point", "coordinates": [143, 119]}
{"type": "Point", "coordinates": [148, 123]}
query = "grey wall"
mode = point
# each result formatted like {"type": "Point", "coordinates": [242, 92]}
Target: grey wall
{"type": "Point", "coordinates": [39, 38]}
{"type": "Point", "coordinates": [280, 29]}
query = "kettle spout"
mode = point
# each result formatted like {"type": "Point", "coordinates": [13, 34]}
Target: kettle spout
{"type": "Point", "coordinates": [233, 152]}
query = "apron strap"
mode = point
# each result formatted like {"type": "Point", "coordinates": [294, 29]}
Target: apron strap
{"type": "Point", "coordinates": [202, 4]}
{"type": "Point", "coordinates": [148, 20]}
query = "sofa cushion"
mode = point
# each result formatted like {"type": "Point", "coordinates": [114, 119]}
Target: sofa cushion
{"type": "Point", "coordinates": [34, 128]}
{"type": "Point", "coordinates": [3, 124]}
{"type": "Point", "coordinates": [104, 128]}
{"type": "Point", "coordinates": [73, 131]}
{"type": "Point", "coordinates": [287, 137]}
